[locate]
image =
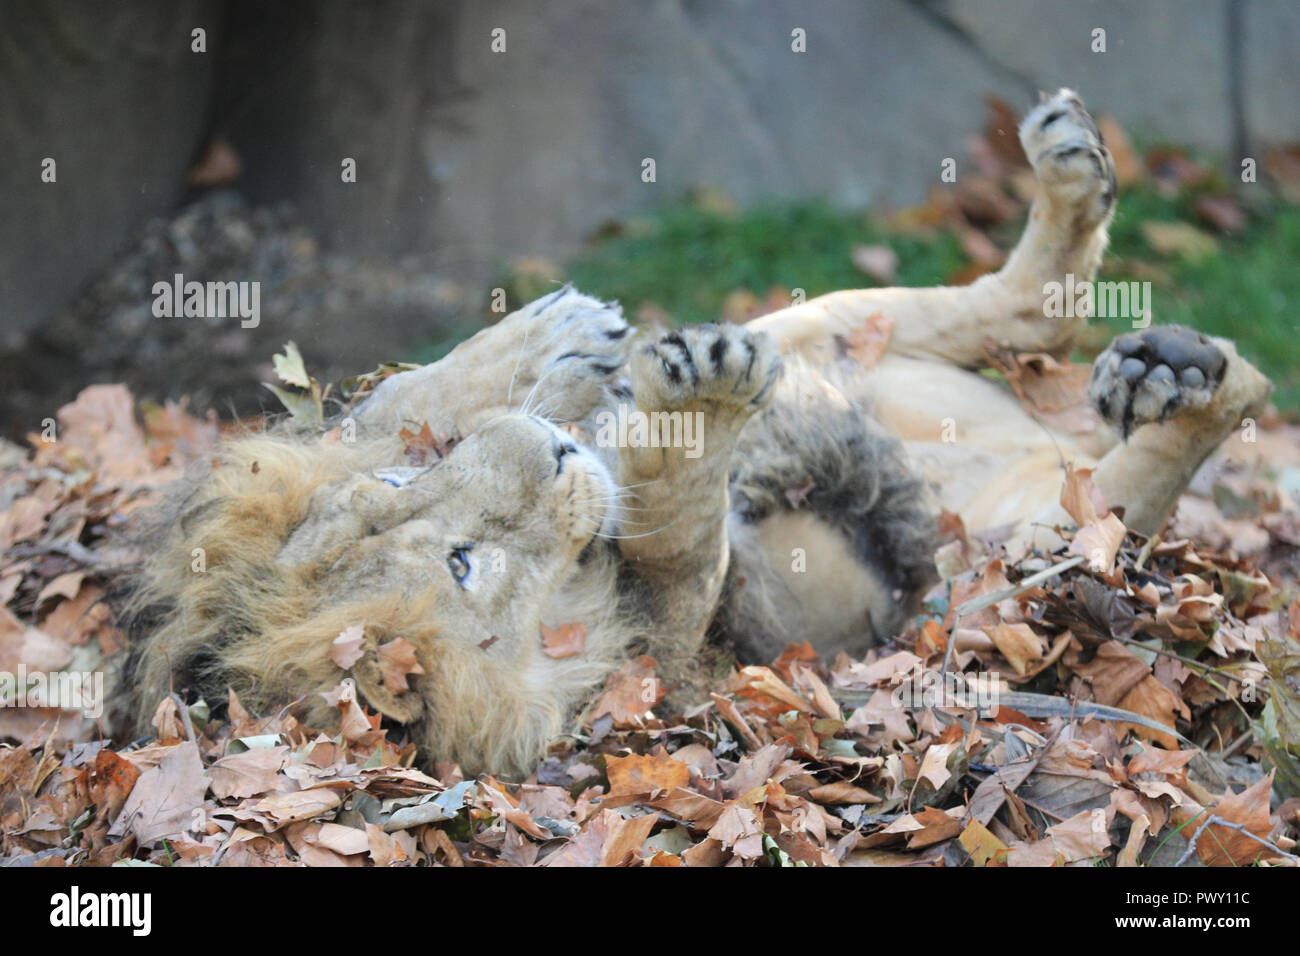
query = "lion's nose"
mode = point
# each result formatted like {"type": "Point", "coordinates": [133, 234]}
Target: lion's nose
{"type": "Point", "coordinates": [560, 449]}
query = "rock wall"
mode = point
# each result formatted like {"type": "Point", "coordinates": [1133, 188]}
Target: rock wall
{"type": "Point", "coordinates": [469, 157]}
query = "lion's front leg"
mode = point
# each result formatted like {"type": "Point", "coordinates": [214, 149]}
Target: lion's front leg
{"type": "Point", "coordinates": [1175, 395]}
{"type": "Point", "coordinates": [555, 356]}
{"type": "Point", "coordinates": [694, 391]}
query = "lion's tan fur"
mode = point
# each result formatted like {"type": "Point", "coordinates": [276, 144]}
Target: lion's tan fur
{"type": "Point", "coordinates": [301, 540]}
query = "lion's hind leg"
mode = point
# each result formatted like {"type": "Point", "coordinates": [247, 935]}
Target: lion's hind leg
{"type": "Point", "coordinates": [1065, 236]}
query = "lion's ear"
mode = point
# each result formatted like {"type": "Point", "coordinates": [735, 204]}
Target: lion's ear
{"type": "Point", "coordinates": [404, 708]}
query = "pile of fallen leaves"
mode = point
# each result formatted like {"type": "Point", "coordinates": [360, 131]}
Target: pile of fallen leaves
{"type": "Point", "coordinates": [91, 470]}
{"type": "Point", "coordinates": [1147, 709]}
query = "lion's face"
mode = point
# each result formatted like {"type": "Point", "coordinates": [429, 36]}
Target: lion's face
{"type": "Point", "coordinates": [489, 534]}
{"type": "Point", "coordinates": [464, 562]}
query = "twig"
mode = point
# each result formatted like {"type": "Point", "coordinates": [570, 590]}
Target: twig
{"type": "Point", "coordinates": [1155, 537]}
{"type": "Point", "coordinates": [185, 716]}
{"type": "Point", "coordinates": [993, 597]}
{"type": "Point", "coordinates": [1240, 828]}
{"type": "Point", "coordinates": [69, 549]}
{"type": "Point", "coordinates": [1246, 737]}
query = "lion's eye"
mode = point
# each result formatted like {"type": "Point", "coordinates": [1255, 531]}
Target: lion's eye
{"type": "Point", "coordinates": [458, 562]}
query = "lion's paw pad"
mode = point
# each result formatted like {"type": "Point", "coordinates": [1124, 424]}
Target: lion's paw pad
{"type": "Point", "coordinates": [1148, 376]}
{"type": "Point", "coordinates": [723, 364]}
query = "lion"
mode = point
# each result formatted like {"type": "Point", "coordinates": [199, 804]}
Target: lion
{"type": "Point", "coordinates": [759, 487]}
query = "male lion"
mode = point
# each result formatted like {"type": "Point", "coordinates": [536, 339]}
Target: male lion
{"type": "Point", "coordinates": [649, 544]}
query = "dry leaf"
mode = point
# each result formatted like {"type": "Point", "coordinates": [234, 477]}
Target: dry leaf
{"type": "Point", "coordinates": [423, 447]}
{"type": "Point", "coordinates": [738, 830]}
{"type": "Point", "coordinates": [1018, 644]}
{"type": "Point", "coordinates": [567, 640]}
{"type": "Point", "coordinates": [1223, 846]}
{"type": "Point", "coordinates": [396, 661]}
{"type": "Point", "coordinates": [880, 262]}
{"type": "Point", "coordinates": [348, 647]}
{"type": "Point", "coordinates": [164, 800]}
{"type": "Point", "coordinates": [247, 774]}
{"type": "Point", "coordinates": [869, 341]}
{"type": "Point", "coordinates": [984, 848]}
{"type": "Point", "coordinates": [1152, 699]}
{"type": "Point", "coordinates": [1179, 239]}
{"type": "Point", "coordinates": [654, 772]}
{"type": "Point", "coordinates": [629, 692]}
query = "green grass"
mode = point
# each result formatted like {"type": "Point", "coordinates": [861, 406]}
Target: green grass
{"type": "Point", "coordinates": [687, 260]}
{"type": "Point", "coordinates": [1249, 292]}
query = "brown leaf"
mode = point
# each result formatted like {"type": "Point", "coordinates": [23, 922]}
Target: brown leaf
{"type": "Point", "coordinates": [219, 166]}
{"type": "Point", "coordinates": [164, 798]}
{"type": "Point", "coordinates": [1099, 541]}
{"type": "Point", "coordinates": [1223, 846]}
{"type": "Point", "coordinates": [282, 809]}
{"type": "Point", "coordinates": [354, 724]}
{"type": "Point", "coordinates": [868, 342]}
{"type": "Point", "coordinates": [1113, 671]}
{"type": "Point", "coordinates": [1080, 497]}
{"type": "Point", "coordinates": [499, 802]}
{"type": "Point", "coordinates": [167, 724]}
{"type": "Point", "coordinates": [1018, 644]}
{"type": "Point", "coordinates": [1221, 212]}
{"type": "Point", "coordinates": [629, 692]}
{"type": "Point", "coordinates": [1001, 131]}
{"type": "Point", "coordinates": [1156, 760]}
{"type": "Point", "coordinates": [567, 640]}
{"type": "Point", "coordinates": [654, 772]}
{"type": "Point", "coordinates": [841, 793]}
{"type": "Point", "coordinates": [691, 807]}
{"type": "Point", "coordinates": [247, 774]}
{"type": "Point", "coordinates": [24, 520]}
{"type": "Point", "coordinates": [931, 825]}
{"type": "Point", "coordinates": [984, 848]}
{"type": "Point", "coordinates": [82, 617]}
{"type": "Point", "coordinates": [738, 830]}
{"type": "Point", "coordinates": [423, 447]}
{"type": "Point", "coordinates": [1083, 836]}
{"type": "Point", "coordinates": [881, 711]}
{"type": "Point", "coordinates": [396, 661]}
{"type": "Point", "coordinates": [349, 646]}
{"type": "Point", "coordinates": [100, 426]}
{"type": "Point", "coordinates": [1179, 239]}
{"type": "Point", "coordinates": [65, 585]}
{"type": "Point", "coordinates": [880, 262]}
{"type": "Point", "coordinates": [390, 849]}
{"type": "Point", "coordinates": [625, 836]}
{"type": "Point", "coordinates": [761, 686]}
{"type": "Point", "coordinates": [1152, 699]}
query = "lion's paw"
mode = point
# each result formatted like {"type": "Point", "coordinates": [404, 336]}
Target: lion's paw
{"type": "Point", "coordinates": [1149, 376]}
{"type": "Point", "coordinates": [724, 366]}
{"type": "Point", "coordinates": [568, 328]}
{"type": "Point", "coordinates": [1067, 152]}
{"type": "Point", "coordinates": [567, 346]}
